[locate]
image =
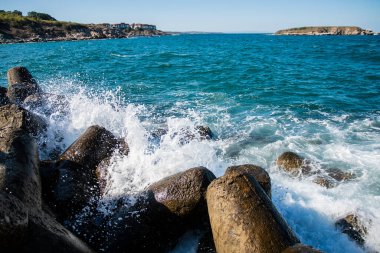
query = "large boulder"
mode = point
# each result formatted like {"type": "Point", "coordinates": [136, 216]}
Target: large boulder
{"type": "Point", "coordinates": [300, 248]}
{"type": "Point", "coordinates": [243, 218]}
{"type": "Point", "coordinates": [21, 84]}
{"type": "Point", "coordinates": [13, 117]}
{"type": "Point", "coordinates": [93, 146]}
{"type": "Point", "coordinates": [183, 194]}
{"type": "Point", "coordinates": [261, 176]}
{"type": "Point", "coordinates": [19, 173]}
{"type": "Point", "coordinates": [70, 182]}
{"type": "Point", "coordinates": [352, 226]}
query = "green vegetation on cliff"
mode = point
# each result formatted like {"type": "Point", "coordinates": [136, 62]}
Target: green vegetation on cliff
{"type": "Point", "coordinates": [325, 30]}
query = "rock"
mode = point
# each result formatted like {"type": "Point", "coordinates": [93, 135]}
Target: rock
{"type": "Point", "coordinates": [293, 163]}
{"type": "Point", "coordinates": [102, 175]}
{"type": "Point", "coordinates": [204, 132]}
{"type": "Point", "coordinates": [21, 84]}
{"type": "Point", "coordinates": [45, 234]}
{"type": "Point", "coordinates": [300, 248]}
{"type": "Point", "coordinates": [19, 173]}
{"type": "Point", "coordinates": [146, 226]}
{"type": "Point", "coordinates": [3, 96]}
{"type": "Point", "coordinates": [243, 218]}
{"type": "Point", "coordinates": [261, 176]}
{"type": "Point", "coordinates": [325, 30]}
{"type": "Point", "coordinates": [73, 181]}
{"type": "Point", "coordinates": [324, 181]}
{"type": "Point", "coordinates": [183, 194]}
{"type": "Point", "coordinates": [340, 175]}
{"type": "Point", "coordinates": [13, 117]}
{"type": "Point", "coordinates": [70, 188]}
{"type": "Point", "coordinates": [353, 228]}
{"type": "Point", "coordinates": [13, 223]}
{"type": "Point", "coordinates": [93, 146]}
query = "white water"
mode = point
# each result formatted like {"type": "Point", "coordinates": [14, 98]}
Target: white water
{"type": "Point", "coordinates": [309, 209]}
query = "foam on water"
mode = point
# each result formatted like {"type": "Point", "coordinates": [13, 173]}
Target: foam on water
{"type": "Point", "coordinates": [311, 210]}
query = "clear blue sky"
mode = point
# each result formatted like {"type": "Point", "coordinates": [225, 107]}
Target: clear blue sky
{"type": "Point", "coordinates": [210, 15]}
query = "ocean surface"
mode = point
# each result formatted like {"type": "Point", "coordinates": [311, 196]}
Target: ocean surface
{"type": "Point", "coordinates": [260, 94]}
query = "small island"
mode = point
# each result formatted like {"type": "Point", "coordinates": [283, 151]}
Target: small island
{"type": "Point", "coordinates": [325, 30]}
{"type": "Point", "coordinates": [41, 27]}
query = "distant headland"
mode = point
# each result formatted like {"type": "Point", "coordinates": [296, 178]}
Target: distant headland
{"type": "Point", "coordinates": [39, 27]}
{"type": "Point", "coordinates": [325, 30]}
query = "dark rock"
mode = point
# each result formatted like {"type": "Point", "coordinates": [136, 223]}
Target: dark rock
{"type": "Point", "coordinates": [3, 96]}
{"type": "Point", "coordinates": [243, 218]}
{"type": "Point", "coordinates": [184, 193]}
{"type": "Point", "coordinates": [21, 84]}
{"type": "Point", "coordinates": [300, 248]}
{"type": "Point", "coordinates": [69, 189]}
{"type": "Point", "coordinates": [13, 117]}
{"type": "Point", "coordinates": [353, 228]}
{"type": "Point", "coordinates": [261, 176]}
{"type": "Point", "coordinates": [93, 146]}
{"type": "Point", "coordinates": [324, 181]}
{"type": "Point", "coordinates": [293, 163]}
{"type": "Point", "coordinates": [102, 175]}
{"type": "Point", "coordinates": [19, 174]}
{"type": "Point", "coordinates": [204, 132]}
{"type": "Point", "coordinates": [146, 226]}
{"type": "Point", "coordinates": [340, 175]}
{"type": "Point", "coordinates": [13, 223]}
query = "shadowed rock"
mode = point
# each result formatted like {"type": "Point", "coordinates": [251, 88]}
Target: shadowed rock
{"type": "Point", "coordinates": [3, 96]}
{"type": "Point", "coordinates": [243, 219]}
{"type": "Point", "coordinates": [340, 175]}
{"type": "Point", "coordinates": [184, 193]}
{"type": "Point", "coordinates": [47, 103]}
{"type": "Point", "coordinates": [21, 84]}
{"type": "Point", "coordinates": [300, 248]}
{"type": "Point", "coordinates": [353, 228]}
{"type": "Point", "coordinates": [13, 117]}
{"type": "Point", "coordinates": [19, 174]}
{"type": "Point", "coordinates": [324, 181]}
{"type": "Point", "coordinates": [261, 176]}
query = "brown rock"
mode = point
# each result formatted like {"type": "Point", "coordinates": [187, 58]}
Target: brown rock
{"type": "Point", "coordinates": [300, 248]}
{"type": "Point", "coordinates": [243, 218]}
{"type": "Point", "coordinates": [293, 163]}
{"type": "Point", "coordinates": [261, 176]}
{"type": "Point", "coordinates": [353, 227]}
{"type": "Point", "coordinates": [184, 193]}
{"type": "Point", "coordinates": [93, 146]}
{"type": "Point", "coordinates": [340, 175]}
{"type": "Point", "coordinates": [21, 84]}
{"type": "Point", "coordinates": [324, 181]}
{"type": "Point", "coordinates": [205, 132]}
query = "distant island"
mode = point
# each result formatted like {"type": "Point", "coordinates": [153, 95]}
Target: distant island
{"type": "Point", "coordinates": [325, 30]}
{"type": "Point", "coordinates": [38, 27]}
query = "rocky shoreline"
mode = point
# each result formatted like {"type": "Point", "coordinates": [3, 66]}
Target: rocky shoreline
{"type": "Point", "coordinates": [42, 201]}
{"type": "Point", "coordinates": [325, 30]}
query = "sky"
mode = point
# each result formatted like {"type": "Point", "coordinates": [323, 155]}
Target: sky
{"type": "Point", "coordinates": [210, 15]}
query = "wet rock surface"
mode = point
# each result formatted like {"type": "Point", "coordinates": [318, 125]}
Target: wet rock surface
{"type": "Point", "coordinates": [243, 219]}
{"type": "Point", "coordinates": [21, 84]}
{"type": "Point", "coordinates": [352, 226]}
{"type": "Point", "coordinates": [261, 176]}
{"type": "Point", "coordinates": [300, 248]}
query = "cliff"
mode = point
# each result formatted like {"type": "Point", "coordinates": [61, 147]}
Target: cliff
{"type": "Point", "coordinates": [16, 28]}
{"type": "Point", "coordinates": [325, 30]}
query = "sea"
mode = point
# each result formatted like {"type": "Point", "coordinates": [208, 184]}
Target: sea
{"type": "Point", "coordinates": [260, 94]}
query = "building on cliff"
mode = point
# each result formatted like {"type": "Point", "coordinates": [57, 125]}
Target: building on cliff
{"type": "Point", "coordinates": [143, 27]}
{"type": "Point", "coordinates": [119, 26]}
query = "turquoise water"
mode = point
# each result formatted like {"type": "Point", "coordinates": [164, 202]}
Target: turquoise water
{"type": "Point", "coordinates": [260, 94]}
